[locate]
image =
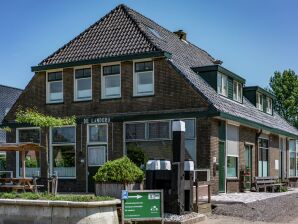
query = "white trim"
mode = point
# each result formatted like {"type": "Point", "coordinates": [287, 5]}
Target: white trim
{"type": "Point", "coordinates": [18, 141]}
{"type": "Point", "coordinates": [103, 96]}
{"type": "Point", "coordinates": [47, 86]}
{"type": "Point", "coordinates": [75, 85]}
{"type": "Point", "coordinates": [66, 144]}
{"type": "Point", "coordinates": [135, 93]}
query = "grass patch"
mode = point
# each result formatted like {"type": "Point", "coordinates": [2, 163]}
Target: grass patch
{"type": "Point", "coordinates": [61, 197]}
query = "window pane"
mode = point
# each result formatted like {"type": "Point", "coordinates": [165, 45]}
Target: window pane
{"type": "Point", "coordinates": [145, 82]}
{"type": "Point", "coordinates": [239, 92]}
{"type": "Point", "coordinates": [159, 130]}
{"type": "Point", "coordinates": [292, 146]}
{"type": "Point", "coordinates": [96, 156]}
{"type": "Point", "coordinates": [84, 88]}
{"type": "Point", "coordinates": [144, 66]}
{"type": "Point", "coordinates": [224, 85]}
{"type": "Point", "coordinates": [63, 135]}
{"type": "Point", "coordinates": [135, 131]}
{"type": "Point", "coordinates": [29, 135]}
{"type": "Point", "coordinates": [112, 85]}
{"type": "Point", "coordinates": [189, 129]}
{"type": "Point", "coordinates": [83, 73]}
{"type": "Point", "coordinates": [98, 133]}
{"type": "Point", "coordinates": [55, 89]}
{"type": "Point", "coordinates": [54, 76]}
{"type": "Point", "coordinates": [219, 83]}
{"type": "Point", "coordinates": [232, 166]}
{"type": "Point", "coordinates": [32, 161]}
{"type": "Point", "coordinates": [190, 146]}
{"type": "Point", "coordinates": [111, 70]}
{"type": "Point", "coordinates": [64, 161]}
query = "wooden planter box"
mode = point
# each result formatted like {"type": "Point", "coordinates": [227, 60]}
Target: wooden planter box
{"type": "Point", "coordinates": [114, 189]}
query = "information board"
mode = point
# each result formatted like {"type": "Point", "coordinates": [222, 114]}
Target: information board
{"type": "Point", "coordinates": [142, 205]}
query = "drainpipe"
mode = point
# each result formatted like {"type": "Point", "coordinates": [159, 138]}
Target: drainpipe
{"type": "Point", "coordinates": [257, 152]}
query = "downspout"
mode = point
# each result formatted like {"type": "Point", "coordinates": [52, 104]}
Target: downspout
{"type": "Point", "coordinates": [257, 152]}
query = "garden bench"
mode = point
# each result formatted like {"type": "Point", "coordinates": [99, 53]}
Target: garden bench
{"type": "Point", "coordinates": [265, 182]}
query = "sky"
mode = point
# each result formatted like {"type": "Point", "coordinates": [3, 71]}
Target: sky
{"type": "Point", "coordinates": [253, 38]}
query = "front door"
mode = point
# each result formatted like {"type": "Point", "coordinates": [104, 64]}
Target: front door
{"type": "Point", "coordinates": [222, 167]}
{"type": "Point", "coordinates": [248, 167]}
{"type": "Point", "coordinates": [96, 158]}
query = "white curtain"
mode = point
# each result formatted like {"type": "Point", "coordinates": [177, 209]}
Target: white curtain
{"type": "Point", "coordinates": [232, 140]}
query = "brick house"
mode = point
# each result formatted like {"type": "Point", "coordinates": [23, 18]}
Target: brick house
{"type": "Point", "coordinates": [126, 78]}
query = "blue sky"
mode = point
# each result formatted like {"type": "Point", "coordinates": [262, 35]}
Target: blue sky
{"type": "Point", "coordinates": [253, 38]}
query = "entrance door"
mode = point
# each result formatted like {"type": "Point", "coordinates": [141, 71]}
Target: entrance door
{"type": "Point", "coordinates": [222, 167]}
{"type": "Point", "coordinates": [96, 158]}
{"type": "Point", "coordinates": [248, 166]}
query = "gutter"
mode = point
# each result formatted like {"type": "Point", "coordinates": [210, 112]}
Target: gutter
{"type": "Point", "coordinates": [153, 54]}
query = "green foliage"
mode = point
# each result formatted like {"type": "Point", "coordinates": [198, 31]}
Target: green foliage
{"type": "Point", "coordinates": [120, 171]}
{"type": "Point", "coordinates": [45, 196]}
{"type": "Point", "coordinates": [33, 117]}
{"type": "Point", "coordinates": [283, 189]}
{"type": "Point", "coordinates": [31, 163]}
{"type": "Point", "coordinates": [2, 162]}
{"type": "Point", "coordinates": [136, 154]}
{"type": "Point", "coordinates": [6, 129]}
{"type": "Point", "coordinates": [285, 87]}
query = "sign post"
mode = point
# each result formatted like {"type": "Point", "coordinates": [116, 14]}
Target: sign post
{"type": "Point", "coordinates": [142, 205]}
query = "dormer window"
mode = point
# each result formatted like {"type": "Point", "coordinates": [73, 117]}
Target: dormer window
{"type": "Point", "coordinates": [222, 84]}
{"type": "Point", "coordinates": [237, 91]}
{"type": "Point", "coordinates": [260, 102]}
{"type": "Point", "coordinates": [269, 106]}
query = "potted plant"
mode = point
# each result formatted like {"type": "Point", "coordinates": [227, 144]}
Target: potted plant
{"type": "Point", "coordinates": [117, 175]}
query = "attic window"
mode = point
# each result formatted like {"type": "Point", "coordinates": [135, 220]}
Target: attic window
{"type": "Point", "coordinates": [154, 32]}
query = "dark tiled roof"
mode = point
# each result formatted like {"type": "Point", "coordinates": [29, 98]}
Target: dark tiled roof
{"type": "Point", "coordinates": [8, 96]}
{"type": "Point", "coordinates": [124, 31]}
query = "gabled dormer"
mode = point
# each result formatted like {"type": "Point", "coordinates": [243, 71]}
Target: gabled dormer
{"type": "Point", "coordinates": [225, 82]}
{"type": "Point", "coordinates": [261, 98]}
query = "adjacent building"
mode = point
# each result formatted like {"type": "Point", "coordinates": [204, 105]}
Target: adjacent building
{"type": "Point", "coordinates": [126, 79]}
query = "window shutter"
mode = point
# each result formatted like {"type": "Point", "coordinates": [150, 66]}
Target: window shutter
{"type": "Point", "coordinates": [230, 88]}
{"type": "Point", "coordinates": [232, 140]}
{"type": "Point", "coordinates": [265, 103]}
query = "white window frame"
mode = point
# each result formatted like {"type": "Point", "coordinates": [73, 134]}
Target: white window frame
{"type": "Point", "coordinates": [97, 143]}
{"type": "Point", "coordinates": [259, 98]}
{"type": "Point", "coordinates": [18, 153]}
{"type": "Point", "coordinates": [103, 81]}
{"type": "Point", "coordinates": [48, 101]}
{"type": "Point", "coordinates": [239, 95]}
{"type": "Point", "coordinates": [269, 110]}
{"type": "Point", "coordinates": [135, 78]}
{"type": "Point", "coordinates": [51, 145]}
{"type": "Point", "coordinates": [296, 157]}
{"type": "Point", "coordinates": [226, 152]}
{"type": "Point", "coordinates": [223, 82]}
{"type": "Point", "coordinates": [76, 99]}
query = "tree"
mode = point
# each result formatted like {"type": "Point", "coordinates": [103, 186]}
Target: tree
{"type": "Point", "coordinates": [285, 87]}
{"type": "Point", "coordinates": [37, 119]}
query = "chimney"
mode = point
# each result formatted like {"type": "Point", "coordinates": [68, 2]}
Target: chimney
{"type": "Point", "coordinates": [181, 34]}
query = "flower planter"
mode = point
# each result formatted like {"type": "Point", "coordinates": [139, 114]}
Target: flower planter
{"type": "Point", "coordinates": [114, 189]}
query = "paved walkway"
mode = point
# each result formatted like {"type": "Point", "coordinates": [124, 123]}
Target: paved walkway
{"type": "Point", "coordinates": [248, 197]}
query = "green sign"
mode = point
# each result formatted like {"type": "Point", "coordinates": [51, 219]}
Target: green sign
{"type": "Point", "coordinates": [142, 205]}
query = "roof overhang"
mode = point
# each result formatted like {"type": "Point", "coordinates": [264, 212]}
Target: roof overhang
{"type": "Point", "coordinates": [154, 54]}
{"type": "Point", "coordinates": [221, 69]}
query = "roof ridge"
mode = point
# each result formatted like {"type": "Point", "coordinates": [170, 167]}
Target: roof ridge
{"type": "Point", "coordinates": [126, 8]}
{"type": "Point", "coordinates": [11, 87]}
{"type": "Point", "coordinates": [83, 32]}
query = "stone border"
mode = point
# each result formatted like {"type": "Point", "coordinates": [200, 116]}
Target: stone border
{"type": "Point", "coordinates": [48, 203]}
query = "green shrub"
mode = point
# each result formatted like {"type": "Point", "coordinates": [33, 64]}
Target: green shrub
{"type": "Point", "coordinates": [136, 154]}
{"type": "Point", "coordinates": [119, 171]}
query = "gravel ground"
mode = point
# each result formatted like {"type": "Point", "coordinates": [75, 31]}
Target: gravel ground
{"type": "Point", "coordinates": [283, 209]}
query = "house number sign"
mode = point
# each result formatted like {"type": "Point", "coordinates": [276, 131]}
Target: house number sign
{"type": "Point", "coordinates": [96, 120]}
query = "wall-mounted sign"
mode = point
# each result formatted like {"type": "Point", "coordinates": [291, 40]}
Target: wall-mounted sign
{"type": "Point", "coordinates": [96, 120]}
{"type": "Point", "coordinates": [142, 205]}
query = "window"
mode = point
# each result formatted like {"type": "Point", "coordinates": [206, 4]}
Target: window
{"type": "Point", "coordinates": [135, 131]}
{"type": "Point", "coordinates": [232, 150]}
{"type": "Point", "coordinates": [269, 106]}
{"type": "Point", "coordinates": [222, 84]}
{"type": "Point", "coordinates": [260, 103]}
{"type": "Point", "coordinates": [263, 157]}
{"type": "Point", "coordinates": [237, 91]}
{"type": "Point", "coordinates": [97, 155]}
{"type": "Point", "coordinates": [83, 89]}
{"type": "Point", "coordinates": [143, 78]}
{"type": "Point", "coordinates": [63, 152]}
{"type": "Point", "coordinates": [293, 150]}
{"type": "Point", "coordinates": [32, 158]}
{"type": "Point", "coordinates": [190, 139]}
{"type": "Point", "coordinates": [97, 133]}
{"type": "Point", "coordinates": [159, 130]}
{"type": "Point", "coordinates": [54, 87]}
{"type": "Point", "coordinates": [111, 82]}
